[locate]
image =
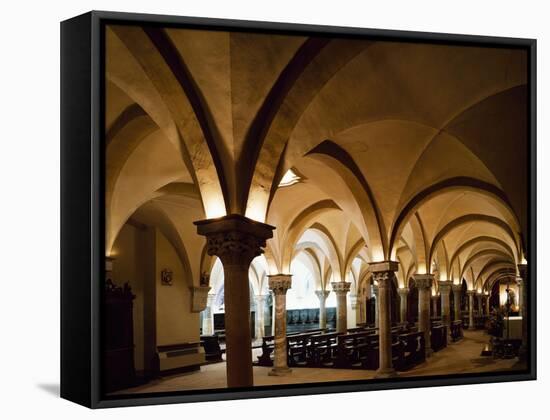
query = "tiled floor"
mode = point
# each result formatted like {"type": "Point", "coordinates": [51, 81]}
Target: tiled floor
{"type": "Point", "coordinates": [462, 357]}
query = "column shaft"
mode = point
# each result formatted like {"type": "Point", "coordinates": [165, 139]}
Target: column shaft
{"type": "Point", "coordinates": [471, 325]}
{"type": "Point", "coordinates": [403, 295]}
{"type": "Point", "coordinates": [423, 283]}
{"type": "Point", "coordinates": [322, 295]}
{"type": "Point", "coordinates": [236, 240]}
{"type": "Point", "coordinates": [279, 284]}
{"type": "Point", "coordinates": [383, 273]}
{"type": "Point", "coordinates": [445, 291]}
{"type": "Point", "coordinates": [457, 293]}
{"type": "Point", "coordinates": [341, 289]}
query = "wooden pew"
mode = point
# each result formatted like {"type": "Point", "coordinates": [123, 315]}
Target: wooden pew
{"type": "Point", "coordinates": [456, 331]}
{"type": "Point", "coordinates": [268, 345]}
{"type": "Point", "coordinates": [212, 350]}
{"type": "Point", "coordinates": [350, 348]}
{"type": "Point", "coordinates": [413, 350]}
{"type": "Point", "coordinates": [321, 349]}
{"type": "Point", "coordinates": [438, 337]}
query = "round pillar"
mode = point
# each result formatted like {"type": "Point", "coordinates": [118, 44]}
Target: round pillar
{"type": "Point", "coordinates": [236, 240]}
{"type": "Point", "coordinates": [487, 305]}
{"type": "Point", "coordinates": [383, 273]}
{"type": "Point", "coordinates": [403, 295]}
{"type": "Point", "coordinates": [457, 295]}
{"type": "Point", "coordinates": [434, 305]}
{"type": "Point", "coordinates": [445, 292]}
{"type": "Point", "coordinates": [279, 284]}
{"type": "Point", "coordinates": [471, 294]}
{"type": "Point", "coordinates": [341, 288]}
{"type": "Point", "coordinates": [479, 303]}
{"type": "Point", "coordinates": [376, 305]}
{"type": "Point", "coordinates": [423, 283]}
{"type": "Point", "coordinates": [322, 295]}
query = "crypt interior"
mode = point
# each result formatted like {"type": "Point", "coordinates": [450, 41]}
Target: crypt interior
{"type": "Point", "coordinates": [286, 209]}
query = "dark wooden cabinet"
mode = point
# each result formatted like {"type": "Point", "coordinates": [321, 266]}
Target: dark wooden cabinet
{"type": "Point", "coordinates": [118, 337]}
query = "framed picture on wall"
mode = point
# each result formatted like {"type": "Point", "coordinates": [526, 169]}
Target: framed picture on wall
{"type": "Point", "coordinates": [334, 209]}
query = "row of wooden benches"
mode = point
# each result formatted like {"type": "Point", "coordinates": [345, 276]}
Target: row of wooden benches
{"type": "Point", "coordinates": [357, 348]}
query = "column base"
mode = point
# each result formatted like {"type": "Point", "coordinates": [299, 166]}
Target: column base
{"type": "Point", "coordinates": [385, 373]}
{"type": "Point", "coordinates": [279, 371]}
{"type": "Point", "coordinates": [471, 327]}
{"type": "Point", "coordinates": [429, 352]}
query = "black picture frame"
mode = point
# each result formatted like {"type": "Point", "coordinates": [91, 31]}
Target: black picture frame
{"type": "Point", "coordinates": [83, 220]}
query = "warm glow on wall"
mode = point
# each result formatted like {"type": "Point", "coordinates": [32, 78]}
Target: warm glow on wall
{"type": "Point", "coordinates": [214, 208]}
{"type": "Point", "coordinates": [421, 268]}
{"type": "Point", "coordinates": [257, 205]}
{"type": "Point", "coordinates": [377, 254]}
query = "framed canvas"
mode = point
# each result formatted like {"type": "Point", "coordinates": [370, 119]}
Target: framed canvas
{"type": "Point", "coordinates": [255, 209]}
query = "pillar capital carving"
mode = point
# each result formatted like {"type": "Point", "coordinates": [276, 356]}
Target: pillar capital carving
{"type": "Point", "coordinates": [234, 239]}
{"type": "Point", "coordinates": [322, 294]}
{"type": "Point", "coordinates": [279, 283]}
{"type": "Point", "coordinates": [340, 287]}
{"type": "Point", "coordinates": [435, 297]}
{"type": "Point", "coordinates": [471, 292]}
{"type": "Point", "coordinates": [383, 267]}
{"type": "Point", "coordinates": [457, 288]}
{"type": "Point", "coordinates": [444, 286]}
{"type": "Point", "coordinates": [423, 281]}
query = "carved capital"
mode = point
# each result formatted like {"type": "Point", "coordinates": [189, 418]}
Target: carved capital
{"type": "Point", "coordinates": [457, 288]}
{"type": "Point", "coordinates": [322, 294]}
{"type": "Point", "coordinates": [280, 283]}
{"type": "Point", "coordinates": [199, 295]}
{"type": "Point", "coordinates": [234, 239]}
{"type": "Point", "coordinates": [383, 272]}
{"type": "Point", "coordinates": [423, 281]}
{"type": "Point", "coordinates": [340, 287]}
{"type": "Point", "coordinates": [471, 292]}
{"type": "Point", "coordinates": [444, 287]}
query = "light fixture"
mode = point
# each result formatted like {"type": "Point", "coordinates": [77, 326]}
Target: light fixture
{"type": "Point", "coordinates": [290, 178]}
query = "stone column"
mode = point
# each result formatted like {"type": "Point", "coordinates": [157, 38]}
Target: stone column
{"type": "Point", "coordinates": [524, 349]}
{"type": "Point", "coordinates": [471, 294]}
{"type": "Point", "coordinates": [487, 304]}
{"type": "Point", "coordinates": [519, 282]}
{"type": "Point", "coordinates": [341, 288]}
{"type": "Point", "coordinates": [457, 294]}
{"type": "Point", "coordinates": [434, 305]}
{"type": "Point", "coordinates": [403, 295]}
{"type": "Point", "coordinates": [208, 316]}
{"type": "Point", "coordinates": [384, 273]}
{"type": "Point", "coordinates": [260, 311]}
{"type": "Point", "coordinates": [322, 295]}
{"type": "Point", "coordinates": [445, 292]}
{"type": "Point", "coordinates": [423, 283]}
{"type": "Point", "coordinates": [236, 240]}
{"type": "Point", "coordinates": [376, 305]}
{"type": "Point", "coordinates": [479, 303]}
{"type": "Point", "coordinates": [279, 284]}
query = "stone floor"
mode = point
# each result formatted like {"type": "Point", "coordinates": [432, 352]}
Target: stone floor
{"type": "Point", "coordinates": [461, 357]}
